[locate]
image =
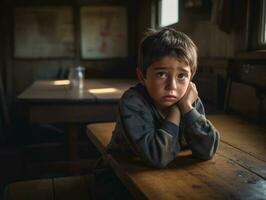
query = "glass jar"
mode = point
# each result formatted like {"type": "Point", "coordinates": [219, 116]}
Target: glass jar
{"type": "Point", "coordinates": [76, 77]}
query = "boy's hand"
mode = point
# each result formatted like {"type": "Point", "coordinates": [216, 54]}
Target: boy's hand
{"type": "Point", "coordinates": [174, 114]}
{"type": "Point", "coordinates": [191, 95]}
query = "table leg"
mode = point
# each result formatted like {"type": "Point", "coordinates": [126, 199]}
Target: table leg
{"type": "Point", "coordinates": [72, 131]}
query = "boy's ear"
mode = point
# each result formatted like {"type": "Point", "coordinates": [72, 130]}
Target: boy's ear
{"type": "Point", "coordinates": [140, 75]}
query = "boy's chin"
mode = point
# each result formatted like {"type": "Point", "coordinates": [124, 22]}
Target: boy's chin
{"type": "Point", "coordinates": [168, 104]}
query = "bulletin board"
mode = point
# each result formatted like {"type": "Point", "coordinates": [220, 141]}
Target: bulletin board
{"type": "Point", "coordinates": [43, 32]}
{"type": "Point", "coordinates": [104, 32]}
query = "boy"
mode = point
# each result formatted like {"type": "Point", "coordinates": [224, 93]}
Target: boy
{"type": "Point", "coordinates": [163, 113]}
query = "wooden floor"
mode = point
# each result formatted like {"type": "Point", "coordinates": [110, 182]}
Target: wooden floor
{"type": "Point", "coordinates": [66, 188]}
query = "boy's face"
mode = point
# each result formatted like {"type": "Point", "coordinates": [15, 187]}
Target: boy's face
{"type": "Point", "coordinates": [167, 81]}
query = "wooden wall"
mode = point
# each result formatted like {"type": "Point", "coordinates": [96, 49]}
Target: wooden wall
{"type": "Point", "coordinates": [223, 53]}
{"type": "Point", "coordinates": [19, 73]}
{"type": "Point", "coordinates": [211, 42]}
{"type": "Point", "coordinates": [214, 45]}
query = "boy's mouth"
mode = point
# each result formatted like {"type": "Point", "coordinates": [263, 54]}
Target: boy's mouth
{"type": "Point", "coordinates": [170, 98]}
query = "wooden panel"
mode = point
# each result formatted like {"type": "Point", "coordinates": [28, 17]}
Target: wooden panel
{"type": "Point", "coordinates": [82, 113]}
{"type": "Point", "coordinates": [209, 94]}
{"type": "Point", "coordinates": [251, 73]}
{"type": "Point", "coordinates": [243, 99]}
{"type": "Point", "coordinates": [66, 188]}
{"type": "Point", "coordinates": [34, 169]}
{"type": "Point", "coordinates": [219, 43]}
{"type": "Point", "coordinates": [101, 133]}
{"type": "Point", "coordinates": [218, 66]}
{"type": "Point", "coordinates": [69, 188]}
{"type": "Point", "coordinates": [210, 79]}
{"type": "Point", "coordinates": [31, 190]}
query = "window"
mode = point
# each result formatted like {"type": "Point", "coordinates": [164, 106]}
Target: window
{"type": "Point", "coordinates": [167, 12]}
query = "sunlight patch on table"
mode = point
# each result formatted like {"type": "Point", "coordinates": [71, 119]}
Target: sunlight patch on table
{"type": "Point", "coordinates": [61, 82]}
{"type": "Point", "coordinates": [103, 90]}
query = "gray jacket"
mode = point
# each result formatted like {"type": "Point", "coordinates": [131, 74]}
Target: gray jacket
{"type": "Point", "coordinates": [140, 130]}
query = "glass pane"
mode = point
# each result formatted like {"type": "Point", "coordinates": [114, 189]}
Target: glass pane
{"type": "Point", "coordinates": [169, 12]}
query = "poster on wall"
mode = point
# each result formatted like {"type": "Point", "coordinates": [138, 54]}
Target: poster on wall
{"type": "Point", "coordinates": [43, 32]}
{"type": "Point", "coordinates": [104, 32]}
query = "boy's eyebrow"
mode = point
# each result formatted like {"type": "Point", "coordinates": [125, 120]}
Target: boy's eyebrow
{"type": "Point", "coordinates": [183, 69]}
{"type": "Point", "coordinates": [158, 68]}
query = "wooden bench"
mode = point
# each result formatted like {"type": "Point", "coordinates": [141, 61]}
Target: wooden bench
{"type": "Point", "coordinates": [237, 171]}
{"type": "Point", "coordinates": [61, 188]}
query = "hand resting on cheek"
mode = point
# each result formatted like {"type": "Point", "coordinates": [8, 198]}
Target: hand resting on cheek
{"type": "Point", "coordinates": [191, 95]}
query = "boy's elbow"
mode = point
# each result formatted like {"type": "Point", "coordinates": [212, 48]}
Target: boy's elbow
{"type": "Point", "coordinates": [159, 165]}
{"type": "Point", "coordinates": [203, 157]}
{"type": "Point", "coordinates": [208, 155]}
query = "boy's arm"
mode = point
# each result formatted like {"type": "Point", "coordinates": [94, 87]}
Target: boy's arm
{"type": "Point", "coordinates": [200, 134]}
{"type": "Point", "coordinates": [155, 142]}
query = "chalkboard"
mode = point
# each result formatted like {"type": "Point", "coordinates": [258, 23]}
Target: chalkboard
{"type": "Point", "coordinates": [42, 32]}
{"type": "Point", "coordinates": [104, 32]}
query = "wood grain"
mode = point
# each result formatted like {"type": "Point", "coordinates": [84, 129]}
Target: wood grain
{"type": "Point", "coordinates": [242, 134]}
{"type": "Point", "coordinates": [30, 190]}
{"type": "Point", "coordinates": [71, 188]}
{"type": "Point", "coordinates": [233, 173]}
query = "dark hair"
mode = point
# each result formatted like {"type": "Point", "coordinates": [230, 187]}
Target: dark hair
{"type": "Point", "coordinates": [166, 42]}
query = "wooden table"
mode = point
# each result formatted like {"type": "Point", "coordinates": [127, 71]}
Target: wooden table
{"type": "Point", "coordinates": [53, 101]}
{"type": "Point", "coordinates": [237, 171]}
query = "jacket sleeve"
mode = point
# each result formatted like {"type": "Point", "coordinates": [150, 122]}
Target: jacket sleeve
{"type": "Point", "coordinates": [201, 136]}
{"type": "Point", "coordinates": [155, 142]}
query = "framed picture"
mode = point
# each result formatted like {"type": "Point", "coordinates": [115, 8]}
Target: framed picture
{"type": "Point", "coordinates": [104, 32]}
{"type": "Point", "coordinates": [43, 32]}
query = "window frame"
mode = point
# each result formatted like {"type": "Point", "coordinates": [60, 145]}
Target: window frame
{"type": "Point", "coordinates": [257, 27]}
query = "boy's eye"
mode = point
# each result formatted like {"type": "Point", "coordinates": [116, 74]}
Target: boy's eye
{"type": "Point", "coordinates": [161, 74]}
{"type": "Point", "coordinates": [182, 76]}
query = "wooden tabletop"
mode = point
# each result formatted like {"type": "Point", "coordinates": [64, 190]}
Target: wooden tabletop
{"type": "Point", "coordinates": [95, 90]}
{"type": "Point", "coordinates": [237, 171]}
{"type": "Point", "coordinates": [54, 101]}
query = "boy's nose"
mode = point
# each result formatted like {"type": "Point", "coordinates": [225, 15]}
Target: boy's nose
{"type": "Point", "coordinates": [171, 84]}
